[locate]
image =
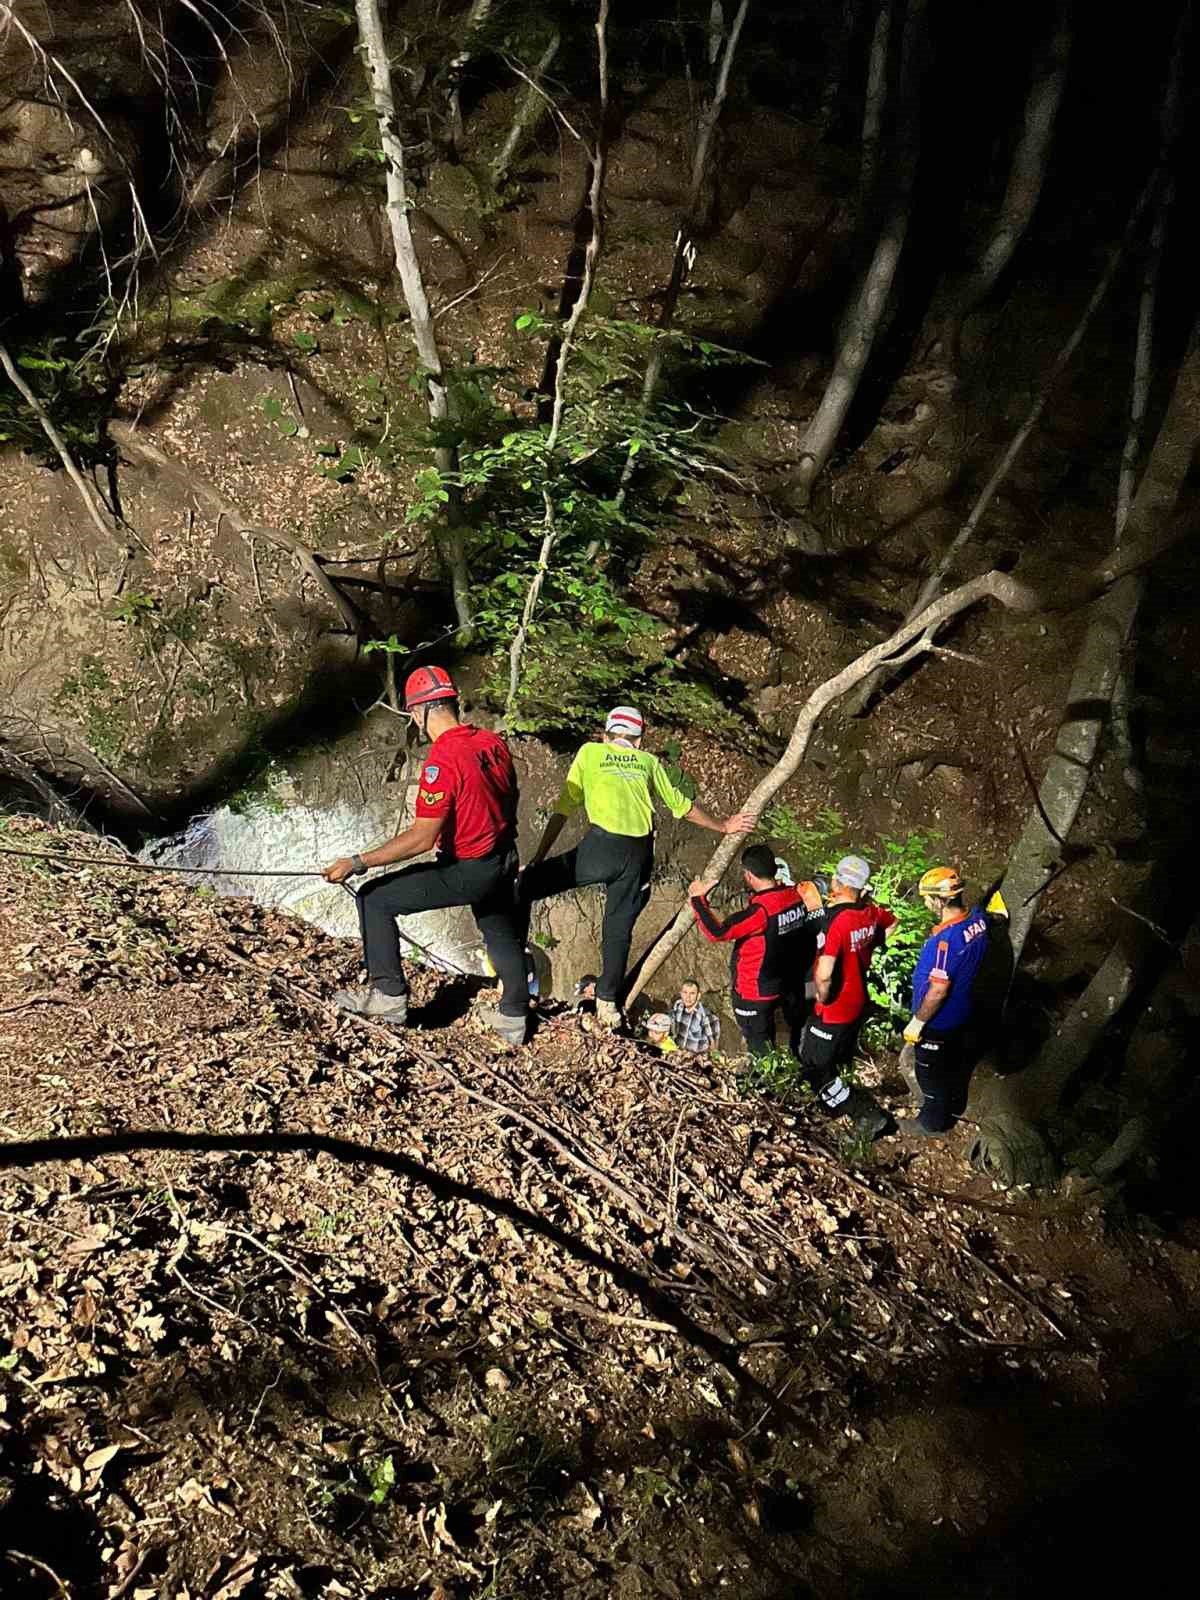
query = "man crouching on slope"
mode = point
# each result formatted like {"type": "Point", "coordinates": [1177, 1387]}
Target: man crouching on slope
{"type": "Point", "coordinates": [467, 806]}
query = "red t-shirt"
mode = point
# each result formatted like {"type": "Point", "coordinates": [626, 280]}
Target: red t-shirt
{"type": "Point", "coordinates": [468, 778]}
{"type": "Point", "coordinates": [853, 933]}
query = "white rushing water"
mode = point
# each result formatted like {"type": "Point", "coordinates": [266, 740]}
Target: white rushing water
{"type": "Point", "coordinates": [264, 837]}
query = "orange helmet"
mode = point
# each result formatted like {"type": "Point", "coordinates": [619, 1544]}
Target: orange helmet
{"type": "Point", "coordinates": [945, 882]}
{"type": "Point", "coordinates": [426, 685]}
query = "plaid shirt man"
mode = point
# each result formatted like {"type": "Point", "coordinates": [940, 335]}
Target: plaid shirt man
{"type": "Point", "coordinates": [693, 1030]}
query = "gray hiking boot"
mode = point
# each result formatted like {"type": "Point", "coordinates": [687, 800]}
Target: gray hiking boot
{"type": "Point", "coordinates": [914, 1128]}
{"type": "Point", "coordinates": [608, 1014]}
{"type": "Point", "coordinates": [511, 1030]}
{"type": "Point", "coordinates": [870, 1120]}
{"type": "Point", "coordinates": [367, 1001]}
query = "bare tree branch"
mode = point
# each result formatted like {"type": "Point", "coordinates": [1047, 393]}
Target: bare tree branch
{"type": "Point", "coordinates": [86, 493]}
{"type": "Point", "coordinates": [590, 260]}
{"type": "Point", "coordinates": [914, 637]}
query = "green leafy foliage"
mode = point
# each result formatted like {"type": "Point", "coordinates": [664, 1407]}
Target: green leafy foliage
{"type": "Point", "coordinates": [804, 841]}
{"type": "Point", "coordinates": [381, 1475]}
{"type": "Point", "coordinates": [816, 844]}
{"type": "Point", "coordinates": [70, 388]}
{"type": "Point", "coordinates": [777, 1075]}
{"type": "Point", "coordinates": [133, 608]}
{"type": "Point", "coordinates": [90, 694]}
{"type": "Point", "coordinates": [587, 639]}
{"type": "Point", "coordinates": [893, 884]}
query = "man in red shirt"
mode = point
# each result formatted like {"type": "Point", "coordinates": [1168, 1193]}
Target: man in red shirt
{"type": "Point", "coordinates": [467, 806]}
{"type": "Point", "coordinates": [854, 929]}
{"type": "Point", "coordinates": [763, 934]}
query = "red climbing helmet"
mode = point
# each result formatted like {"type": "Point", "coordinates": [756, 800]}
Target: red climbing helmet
{"type": "Point", "coordinates": [426, 685]}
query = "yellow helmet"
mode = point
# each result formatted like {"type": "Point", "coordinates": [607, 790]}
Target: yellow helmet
{"type": "Point", "coordinates": [942, 881]}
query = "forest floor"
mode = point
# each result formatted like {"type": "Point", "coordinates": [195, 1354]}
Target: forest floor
{"type": "Point", "coordinates": [299, 1307]}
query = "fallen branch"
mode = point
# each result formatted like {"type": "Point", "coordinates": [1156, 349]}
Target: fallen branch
{"type": "Point", "coordinates": [42, 1567]}
{"type": "Point", "coordinates": [911, 639]}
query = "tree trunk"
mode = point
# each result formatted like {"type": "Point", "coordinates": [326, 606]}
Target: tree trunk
{"type": "Point", "coordinates": [865, 312]}
{"type": "Point", "coordinates": [684, 246]}
{"type": "Point", "coordinates": [1038, 852]}
{"type": "Point", "coordinates": [1007, 1111]}
{"type": "Point", "coordinates": [590, 261]}
{"type": "Point", "coordinates": [933, 584]}
{"type": "Point", "coordinates": [1025, 178]}
{"type": "Point", "coordinates": [530, 108]}
{"type": "Point", "coordinates": [1169, 129]}
{"type": "Point", "coordinates": [379, 75]}
{"type": "Point", "coordinates": [476, 17]}
{"type": "Point", "coordinates": [1143, 362]}
{"type": "Point", "coordinates": [876, 97]}
{"type": "Point", "coordinates": [716, 29]}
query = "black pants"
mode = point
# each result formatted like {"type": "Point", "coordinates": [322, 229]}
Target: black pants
{"type": "Point", "coordinates": [797, 1008]}
{"type": "Point", "coordinates": [623, 866]}
{"type": "Point", "coordinates": [488, 886]}
{"type": "Point", "coordinates": [756, 1019]}
{"type": "Point", "coordinates": [943, 1065]}
{"type": "Point", "coordinates": [824, 1048]}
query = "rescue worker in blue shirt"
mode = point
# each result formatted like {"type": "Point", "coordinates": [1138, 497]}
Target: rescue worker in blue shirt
{"type": "Point", "coordinates": [938, 1044]}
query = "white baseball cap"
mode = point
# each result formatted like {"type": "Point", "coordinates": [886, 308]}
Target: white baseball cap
{"type": "Point", "coordinates": [853, 871]}
{"type": "Point", "coordinates": [624, 720]}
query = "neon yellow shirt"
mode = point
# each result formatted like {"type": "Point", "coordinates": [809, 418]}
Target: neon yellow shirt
{"type": "Point", "coordinates": [616, 784]}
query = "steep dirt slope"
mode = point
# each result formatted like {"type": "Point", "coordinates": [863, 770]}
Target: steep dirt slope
{"type": "Point", "coordinates": [303, 1309]}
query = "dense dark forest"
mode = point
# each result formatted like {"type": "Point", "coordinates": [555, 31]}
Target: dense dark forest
{"type": "Point", "coordinates": [818, 384]}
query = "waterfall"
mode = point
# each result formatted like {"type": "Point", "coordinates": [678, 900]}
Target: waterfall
{"type": "Point", "coordinates": [275, 836]}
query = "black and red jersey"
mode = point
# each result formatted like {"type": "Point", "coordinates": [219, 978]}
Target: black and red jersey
{"type": "Point", "coordinates": [854, 930]}
{"type": "Point", "coordinates": [468, 779]}
{"type": "Point", "coordinates": [763, 934]}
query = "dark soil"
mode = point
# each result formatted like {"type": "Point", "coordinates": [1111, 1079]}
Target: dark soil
{"type": "Point", "coordinates": [412, 1317]}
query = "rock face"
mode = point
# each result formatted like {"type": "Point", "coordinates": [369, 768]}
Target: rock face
{"type": "Point", "coordinates": [308, 816]}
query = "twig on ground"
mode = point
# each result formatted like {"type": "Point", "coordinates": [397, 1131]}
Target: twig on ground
{"type": "Point", "coordinates": [43, 1567]}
